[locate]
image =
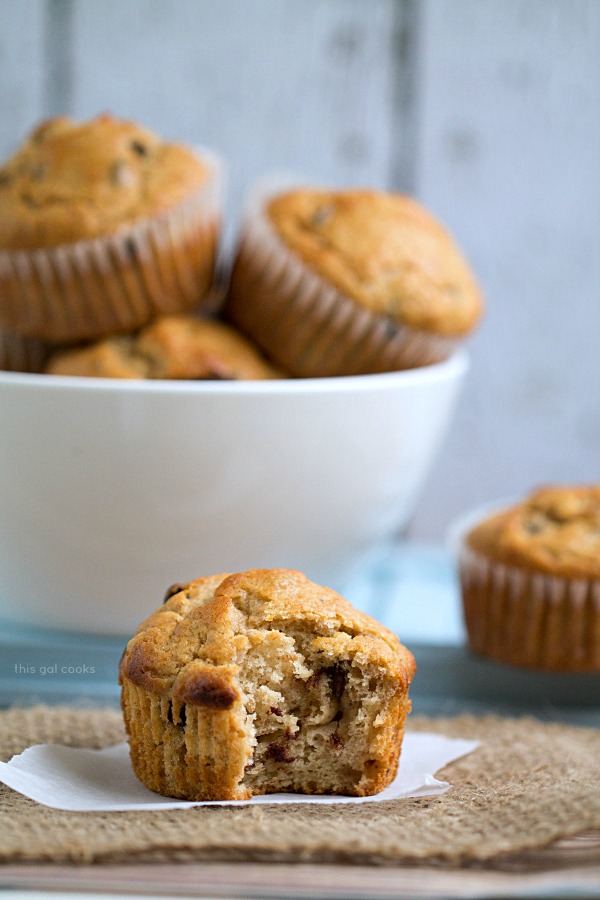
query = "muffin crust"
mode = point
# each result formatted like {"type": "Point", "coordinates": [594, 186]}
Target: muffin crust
{"type": "Point", "coordinates": [71, 181]}
{"type": "Point", "coordinates": [556, 531]}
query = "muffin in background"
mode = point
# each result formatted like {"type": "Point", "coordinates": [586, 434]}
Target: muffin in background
{"type": "Point", "coordinates": [263, 682]}
{"type": "Point", "coordinates": [103, 227]}
{"type": "Point", "coordinates": [530, 581]}
{"type": "Point", "coordinates": [171, 347]}
{"type": "Point", "coordinates": [350, 282]}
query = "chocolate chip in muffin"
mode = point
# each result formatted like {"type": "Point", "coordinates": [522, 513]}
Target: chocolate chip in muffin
{"type": "Point", "coordinates": [337, 681]}
{"type": "Point", "coordinates": [209, 691]}
{"type": "Point", "coordinates": [321, 215]}
{"type": "Point", "coordinates": [336, 740]}
{"type": "Point", "coordinates": [534, 526]}
{"type": "Point", "coordinates": [139, 148]}
{"type": "Point", "coordinates": [174, 589]}
{"type": "Point", "coordinates": [279, 750]}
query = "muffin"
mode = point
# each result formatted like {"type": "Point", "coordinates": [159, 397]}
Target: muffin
{"type": "Point", "coordinates": [530, 579]}
{"type": "Point", "coordinates": [350, 282]}
{"type": "Point", "coordinates": [103, 226]}
{"type": "Point", "coordinates": [171, 347]}
{"type": "Point", "coordinates": [263, 682]}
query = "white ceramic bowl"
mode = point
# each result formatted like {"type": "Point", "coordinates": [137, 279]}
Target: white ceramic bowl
{"type": "Point", "coordinates": [112, 490]}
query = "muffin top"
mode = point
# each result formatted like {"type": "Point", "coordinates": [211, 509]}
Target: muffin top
{"type": "Point", "coordinates": [556, 530]}
{"type": "Point", "coordinates": [171, 347]}
{"type": "Point", "coordinates": [71, 181]}
{"type": "Point", "coordinates": [385, 252]}
{"type": "Point", "coordinates": [215, 620]}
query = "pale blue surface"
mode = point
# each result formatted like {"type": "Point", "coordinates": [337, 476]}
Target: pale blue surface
{"type": "Point", "coordinates": [411, 588]}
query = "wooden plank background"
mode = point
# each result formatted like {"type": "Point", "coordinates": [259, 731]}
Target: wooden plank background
{"type": "Point", "coordinates": [487, 111]}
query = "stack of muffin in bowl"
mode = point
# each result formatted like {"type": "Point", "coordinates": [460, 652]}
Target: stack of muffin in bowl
{"type": "Point", "coordinates": [108, 250]}
{"type": "Point", "coordinates": [109, 240]}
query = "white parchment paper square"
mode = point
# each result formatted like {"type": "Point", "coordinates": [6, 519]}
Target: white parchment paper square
{"type": "Point", "coordinates": [81, 780]}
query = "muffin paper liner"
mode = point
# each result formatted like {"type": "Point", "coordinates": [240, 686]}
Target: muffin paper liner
{"type": "Point", "coordinates": [22, 354]}
{"type": "Point", "coordinates": [83, 780]}
{"type": "Point", "coordinates": [108, 285]}
{"type": "Point", "coordinates": [529, 619]}
{"type": "Point", "coordinates": [306, 324]}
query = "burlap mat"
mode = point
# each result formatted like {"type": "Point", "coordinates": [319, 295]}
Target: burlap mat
{"type": "Point", "coordinates": [527, 785]}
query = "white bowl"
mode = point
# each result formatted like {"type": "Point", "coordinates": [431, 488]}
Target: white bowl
{"type": "Point", "coordinates": [112, 490]}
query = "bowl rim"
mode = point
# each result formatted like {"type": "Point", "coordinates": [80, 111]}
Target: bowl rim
{"type": "Point", "coordinates": [454, 367]}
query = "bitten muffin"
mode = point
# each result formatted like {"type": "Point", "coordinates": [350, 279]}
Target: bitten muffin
{"type": "Point", "coordinates": [103, 226]}
{"type": "Point", "coordinates": [530, 578]}
{"type": "Point", "coordinates": [350, 282]}
{"type": "Point", "coordinates": [263, 682]}
{"type": "Point", "coordinates": [170, 347]}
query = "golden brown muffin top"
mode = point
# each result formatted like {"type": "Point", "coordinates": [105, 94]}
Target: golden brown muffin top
{"type": "Point", "coordinates": [211, 621]}
{"type": "Point", "coordinates": [71, 181]}
{"type": "Point", "coordinates": [171, 347]}
{"type": "Point", "coordinates": [556, 530]}
{"type": "Point", "coordinates": [385, 252]}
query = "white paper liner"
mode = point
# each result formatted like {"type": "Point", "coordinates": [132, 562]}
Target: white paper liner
{"type": "Point", "coordinates": [306, 324]}
{"type": "Point", "coordinates": [115, 284]}
{"type": "Point", "coordinates": [526, 618]}
{"type": "Point", "coordinates": [102, 780]}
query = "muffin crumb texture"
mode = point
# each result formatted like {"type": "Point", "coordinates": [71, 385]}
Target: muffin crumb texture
{"type": "Point", "coordinates": [263, 682]}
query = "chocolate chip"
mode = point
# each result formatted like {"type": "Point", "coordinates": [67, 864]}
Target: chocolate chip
{"type": "Point", "coordinates": [533, 527]}
{"type": "Point", "coordinates": [209, 690]}
{"type": "Point", "coordinates": [278, 752]}
{"type": "Point", "coordinates": [337, 681]}
{"type": "Point", "coordinates": [276, 711]}
{"type": "Point", "coordinates": [174, 589]}
{"type": "Point", "coordinates": [139, 148]}
{"type": "Point", "coordinates": [321, 215]}
{"type": "Point", "coordinates": [336, 740]}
